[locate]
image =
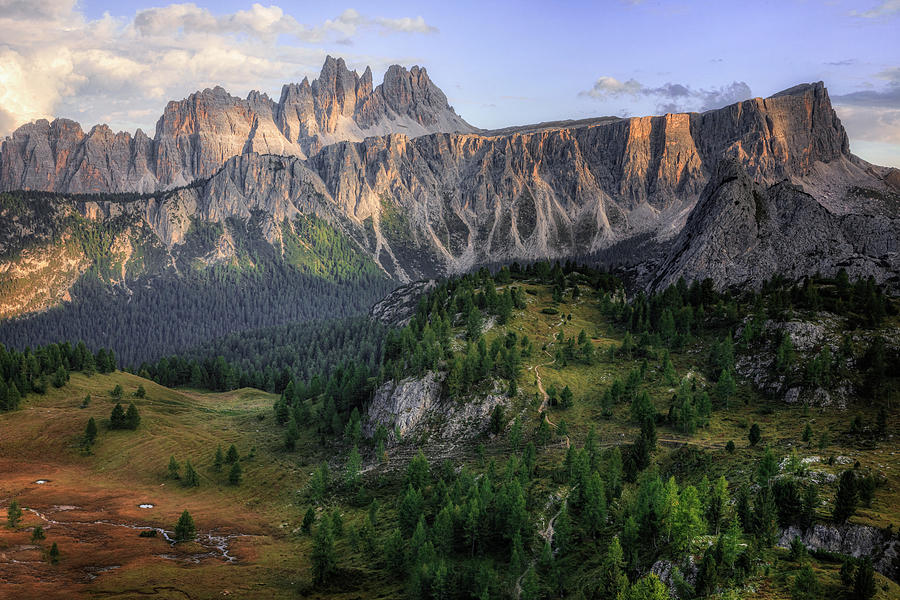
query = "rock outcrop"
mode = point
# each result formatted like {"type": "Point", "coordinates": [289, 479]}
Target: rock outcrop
{"type": "Point", "coordinates": [415, 406]}
{"type": "Point", "coordinates": [195, 136]}
{"type": "Point", "coordinates": [851, 540]}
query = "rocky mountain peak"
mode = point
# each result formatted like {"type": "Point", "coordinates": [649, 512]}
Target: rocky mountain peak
{"type": "Point", "coordinates": [196, 135]}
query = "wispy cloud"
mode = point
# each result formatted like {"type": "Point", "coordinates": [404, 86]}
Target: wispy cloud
{"type": "Point", "coordinates": [886, 97]}
{"type": "Point", "coordinates": [670, 97]}
{"type": "Point", "coordinates": [887, 8]}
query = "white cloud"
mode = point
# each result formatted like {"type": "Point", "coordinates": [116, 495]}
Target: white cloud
{"type": "Point", "coordinates": [54, 61]}
{"type": "Point", "coordinates": [884, 9]}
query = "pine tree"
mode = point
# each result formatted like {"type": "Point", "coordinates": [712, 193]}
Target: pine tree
{"type": "Point", "coordinates": [351, 469]}
{"type": "Point", "coordinates": [140, 392]}
{"type": "Point", "coordinates": [323, 558]}
{"type": "Point", "coordinates": [90, 432]}
{"type": "Point", "coordinates": [235, 474]}
{"type": "Point", "coordinates": [765, 517]}
{"type": "Point", "coordinates": [190, 479]}
{"type": "Point", "coordinates": [37, 534]}
{"type": "Point", "coordinates": [13, 397]}
{"type": "Point", "coordinates": [173, 468]}
{"type": "Point", "coordinates": [13, 514]}
{"type": "Point", "coordinates": [755, 435]}
{"type": "Point", "coordinates": [593, 504]}
{"type": "Point", "coordinates": [318, 483]}
{"type": "Point", "coordinates": [309, 520]}
{"type": "Point", "coordinates": [185, 530]}
{"type": "Point", "coordinates": [531, 586]}
{"type": "Point", "coordinates": [725, 387]}
{"type": "Point", "coordinates": [648, 587]}
{"type": "Point", "coordinates": [232, 456]}
{"type": "Point", "coordinates": [807, 433]}
{"type": "Point", "coordinates": [117, 417]}
{"type": "Point", "coordinates": [60, 377]}
{"type": "Point", "coordinates": [54, 554]}
{"type": "Point", "coordinates": [864, 584]}
{"type": "Point", "coordinates": [612, 582]}
{"type": "Point", "coordinates": [132, 418]}
{"type": "Point", "coordinates": [847, 497]}
{"type": "Point", "coordinates": [219, 459]}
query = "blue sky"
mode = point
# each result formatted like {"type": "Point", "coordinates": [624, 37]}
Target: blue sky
{"type": "Point", "coordinates": [500, 63]}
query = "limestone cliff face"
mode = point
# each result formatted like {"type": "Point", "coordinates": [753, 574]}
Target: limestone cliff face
{"type": "Point", "coordinates": [742, 232]}
{"type": "Point", "coordinates": [195, 136]}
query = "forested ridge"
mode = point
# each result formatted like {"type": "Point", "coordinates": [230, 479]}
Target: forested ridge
{"type": "Point", "coordinates": [145, 301]}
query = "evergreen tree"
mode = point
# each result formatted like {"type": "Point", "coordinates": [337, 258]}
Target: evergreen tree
{"type": "Point", "coordinates": [864, 583]}
{"type": "Point", "coordinates": [232, 455]}
{"type": "Point", "coordinates": [755, 435]}
{"type": "Point", "coordinates": [60, 377]}
{"type": "Point", "coordinates": [847, 497]}
{"type": "Point", "coordinates": [117, 417]}
{"type": "Point", "coordinates": [140, 392]}
{"type": "Point", "coordinates": [219, 459]}
{"type": "Point", "coordinates": [309, 520]}
{"type": "Point", "coordinates": [725, 387]}
{"type": "Point", "coordinates": [37, 534]}
{"type": "Point", "coordinates": [318, 483]}
{"type": "Point", "coordinates": [54, 554]}
{"type": "Point", "coordinates": [351, 468]}
{"type": "Point", "coordinates": [13, 514]}
{"type": "Point", "coordinates": [185, 530]}
{"type": "Point", "coordinates": [291, 435]}
{"type": "Point", "coordinates": [235, 475]}
{"type": "Point", "coordinates": [648, 587]}
{"type": "Point", "coordinates": [191, 478]}
{"type": "Point", "coordinates": [612, 583]}
{"type": "Point", "coordinates": [593, 507]}
{"type": "Point", "coordinates": [132, 418]}
{"type": "Point", "coordinates": [418, 471]}
{"type": "Point", "coordinates": [173, 468]}
{"type": "Point", "coordinates": [90, 433]}
{"type": "Point", "coordinates": [807, 433]}
{"type": "Point", "coordinates": [531, 586]}
{"type": "Point", "coordinates": [13, 397]}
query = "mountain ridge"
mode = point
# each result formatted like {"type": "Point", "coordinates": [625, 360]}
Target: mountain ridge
{"type": "Point", "coordinates": [196, 135]}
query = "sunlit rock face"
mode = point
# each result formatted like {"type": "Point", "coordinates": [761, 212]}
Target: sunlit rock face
{"type": "Point", "coordinates": [195, 136]}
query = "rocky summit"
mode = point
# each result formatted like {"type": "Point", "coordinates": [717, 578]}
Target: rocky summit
{"type": "Point", "coordinates": [195, 136]}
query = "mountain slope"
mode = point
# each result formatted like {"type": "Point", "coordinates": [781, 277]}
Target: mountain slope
{"type": "Point", "coordinates": [741, 233]}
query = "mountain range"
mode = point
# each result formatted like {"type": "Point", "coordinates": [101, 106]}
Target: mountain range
{"type": "Point", "coordinates": [764, 186]}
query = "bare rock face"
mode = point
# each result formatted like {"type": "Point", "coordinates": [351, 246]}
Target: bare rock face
{"type": "Point", "coordinates": [403, 406]}
{"type": "Point", "coordinates": [195, 136]}
{"type": "Point", "coordinates": [398, 307]}
{"type": "Point", "coordinates": [850, 540]}
{"type": "Point", "coordinates": [741, 233]}
{"type": "Point", "coordinates": [415, 406]}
